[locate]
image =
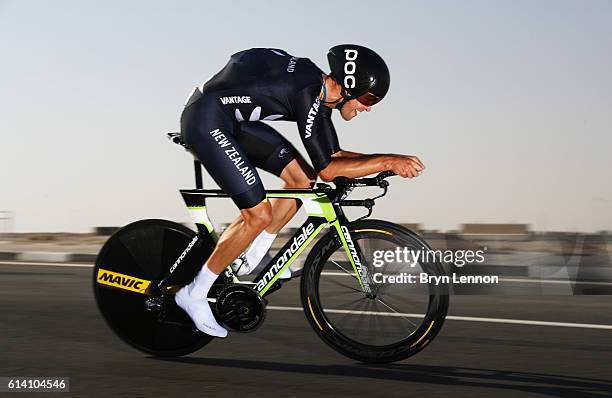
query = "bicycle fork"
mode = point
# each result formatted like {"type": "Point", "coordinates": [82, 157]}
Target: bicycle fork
{"type": "Point", "coordinates": [357, 259]}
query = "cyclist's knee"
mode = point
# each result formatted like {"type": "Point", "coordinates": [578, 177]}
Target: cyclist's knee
{"type": "Point", "coordinates": [298, 174]}
{"type": "Point", "coordinates": [304, 182]}
{"type": "Point", "coordinates": [258, 217]}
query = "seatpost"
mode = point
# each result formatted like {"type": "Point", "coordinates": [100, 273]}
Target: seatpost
{"type": "Point", "coordinates": [198, 174]}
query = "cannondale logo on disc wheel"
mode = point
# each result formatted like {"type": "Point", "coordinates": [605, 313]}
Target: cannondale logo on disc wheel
{"type": "Point", "coordinates": [183, 254]}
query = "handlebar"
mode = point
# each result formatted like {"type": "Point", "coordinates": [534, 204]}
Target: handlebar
{"type": "Point", "coordinates": [368, 203]}
{"type": "Point", "coordinates": [345, 185]}
{"type": "Point", "coordinates": [378, 181]}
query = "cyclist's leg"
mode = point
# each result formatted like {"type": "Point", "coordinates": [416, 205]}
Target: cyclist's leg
{"type": "Point", "coordinates": [270, 151]}
{"type": "Point", "coordinates": [210, 135]}
{"type": "Point", "coordinates": [297, 174]}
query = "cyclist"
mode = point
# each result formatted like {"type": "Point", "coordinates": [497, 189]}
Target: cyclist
{"type": "Point", "coordinates": [223, 125]}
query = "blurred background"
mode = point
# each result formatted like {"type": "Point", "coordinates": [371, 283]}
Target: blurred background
{"type": "Point", "coordinates": [507, 103]}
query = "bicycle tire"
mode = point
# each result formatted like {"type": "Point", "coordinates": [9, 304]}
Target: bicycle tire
{"type": "Point", "coordinates": [321, 319]}
{"type": "Point", "coordinates": [146, 250]}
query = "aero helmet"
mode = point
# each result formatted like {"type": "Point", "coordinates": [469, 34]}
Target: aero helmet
{"type": "Point", "coordinates": [361, 72]}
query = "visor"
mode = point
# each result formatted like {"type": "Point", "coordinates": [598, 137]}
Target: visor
{"type": "Point", "coordinates": [368, 99]}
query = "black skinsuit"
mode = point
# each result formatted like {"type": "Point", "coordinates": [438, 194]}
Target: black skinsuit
{"type": "Point", "coordinates": [222, 120]}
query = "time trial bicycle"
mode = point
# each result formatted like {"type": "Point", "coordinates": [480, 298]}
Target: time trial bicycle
{"type": "Point", "coordinates": [346, 297]}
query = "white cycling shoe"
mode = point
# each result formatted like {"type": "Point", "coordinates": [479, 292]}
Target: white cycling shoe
{"type": "Point", "coordinates": [200, 313]}
{"type": "Point", "coordinates": [241, 267]}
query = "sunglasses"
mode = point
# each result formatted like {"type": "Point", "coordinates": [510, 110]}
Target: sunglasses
{"type": "Point", "coordinates": [368, 99]}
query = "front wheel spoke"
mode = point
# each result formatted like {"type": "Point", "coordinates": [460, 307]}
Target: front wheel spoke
{"type": "Point", "coordinates": [335, 282]}
{"type": "Point", "coordinates": [397, 312]}
{"type": "Point", "coordinates": [349, 305]}
{"type": "Point", "coordinates": [344, 293]}
{"type": "Point", "coordinates": [343, 269]}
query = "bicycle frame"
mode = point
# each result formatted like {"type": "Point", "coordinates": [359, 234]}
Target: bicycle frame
{"type": "Point", "coordinates": [322, 207]}
{"type": "Point", "coordinates": [321, 211]}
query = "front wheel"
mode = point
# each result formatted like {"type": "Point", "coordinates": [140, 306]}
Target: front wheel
{"type": "Point", "coordinates": [402, 316]}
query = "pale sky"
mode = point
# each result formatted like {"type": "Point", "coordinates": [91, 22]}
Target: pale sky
{"type": "Point", "coordinates": [508, 104]}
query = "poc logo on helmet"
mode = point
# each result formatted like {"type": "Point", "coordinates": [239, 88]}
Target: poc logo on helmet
{"type": "Point", "coordinates": [349, 67]}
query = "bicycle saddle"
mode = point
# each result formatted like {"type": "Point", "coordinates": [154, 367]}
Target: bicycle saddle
{"type": "Point", "coordinates": [177, 138]}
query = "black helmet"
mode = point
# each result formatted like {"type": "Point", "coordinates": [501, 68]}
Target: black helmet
{"type": "Point", "coordinates": [362, 73]}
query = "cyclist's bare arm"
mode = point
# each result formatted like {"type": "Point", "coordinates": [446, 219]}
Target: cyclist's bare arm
{"type": "Point", "coordinates": [355, 165]}
{"type": "Point", "coordinates": [347, 154]}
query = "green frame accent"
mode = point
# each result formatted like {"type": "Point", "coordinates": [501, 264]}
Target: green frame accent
{"type": "Point", "coordinates": [291, 259]}
{"type": "Point", "coordinates": [316, 205]}
{"type": "Point", "coordinates": [347, 250]}
{"type": "Point", "coordinates": [310, 202]}
{"type": "Point", "coordinates": [205, 221]}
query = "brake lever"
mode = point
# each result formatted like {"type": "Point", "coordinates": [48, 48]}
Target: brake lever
{"type": "Point", "coordinates": [384, 187]}
{"type": "Point", "coordinates": [370, 207]}
{"type": "Point", "coordinates": [366, 216]}
{"type": "Point", "coordinates": [370, 202]}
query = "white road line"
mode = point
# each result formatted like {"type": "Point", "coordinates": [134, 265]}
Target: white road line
{"type": "Point", "coordinates": [459, 318]}
{"type": "Point", "coordinates": [391, 314]}
{"type": "Point", "coordinates": [518, 280]}
{"type": "Point", "coordinates": [46, 264]}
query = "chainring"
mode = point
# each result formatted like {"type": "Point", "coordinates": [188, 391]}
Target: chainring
{"type": "Point", "coordinates": [240, 308]}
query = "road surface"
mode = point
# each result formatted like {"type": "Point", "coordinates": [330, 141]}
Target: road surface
{"type": "Point", "coordinates": [491, 346]}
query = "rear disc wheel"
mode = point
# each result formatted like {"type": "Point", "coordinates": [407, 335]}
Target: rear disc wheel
{"type": "Point", "coordinates": [146, 250]}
